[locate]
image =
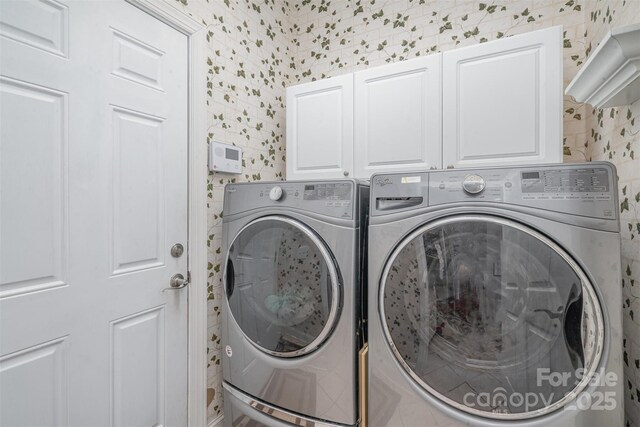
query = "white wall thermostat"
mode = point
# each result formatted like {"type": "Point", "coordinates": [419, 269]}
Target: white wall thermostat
{"type": "Point", "coordinates": [224, 158]}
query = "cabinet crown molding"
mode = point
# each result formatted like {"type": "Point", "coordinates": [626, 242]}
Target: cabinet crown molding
{"type": "Point", "coordinates": [611, 76]}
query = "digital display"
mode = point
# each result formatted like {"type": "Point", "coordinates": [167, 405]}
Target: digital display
{"type": "Point", "coordinates": [340, 191]}
{"type": "Point", "coordinates": [568, 180]}
{"type": "Point", "coordinates": [231, 154]}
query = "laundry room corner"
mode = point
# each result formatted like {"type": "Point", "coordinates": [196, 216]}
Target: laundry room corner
{"type": "Point", "coordinates": [613, 134]}
{"type": "Point", "coordinates": [618, 140]}
{"type": "Point", "coordinates": [245, 107]}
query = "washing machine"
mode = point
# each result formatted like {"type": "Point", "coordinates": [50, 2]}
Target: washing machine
{"type": "Point", "coordinates": [495, 297]}
{"type": "Point", "coordinates": [292, 314]}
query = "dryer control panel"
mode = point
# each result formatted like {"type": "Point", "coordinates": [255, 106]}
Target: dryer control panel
{"type": "Point", "coordinates": [330, 198]}
{"type": "Point", "coordinates": [580, 189]}
{"type": "Point", "coordinates": [562, 181]}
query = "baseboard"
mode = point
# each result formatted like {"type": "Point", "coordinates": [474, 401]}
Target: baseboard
{"type": "Point", "coordinates": [216, 421]}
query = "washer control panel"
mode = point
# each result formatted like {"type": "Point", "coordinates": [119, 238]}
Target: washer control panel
{"type": "Point", "coordinates": [275, 193]}
{"type": "Point", "coordinates": [579, 189]}
{"type": "Point", "coordinates": [566, 181]}
{"type": "Point", "coordinates": [331, 198]}
{"type": "Point", "coordinates": [452, 185]}
{"type": "Point", "coordinates": [473, 184]}
{"type": "Point", "coordinates": [337, 192]}
{"type": "Point", "coordinates": [576, 189]}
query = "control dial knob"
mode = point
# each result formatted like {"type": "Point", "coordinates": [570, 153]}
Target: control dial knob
{"type": "Point", "coordinates": [473, 184]}
{"type": "Point", "coordinates": [276, 193]}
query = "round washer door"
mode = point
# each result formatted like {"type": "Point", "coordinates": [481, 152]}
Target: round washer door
{"type": "Point", "coordinates": [491, 317]}
{"type": "Point", "coordinates": [282, 286]}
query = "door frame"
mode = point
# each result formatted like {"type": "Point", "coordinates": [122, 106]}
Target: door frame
{"type": "Point", "coordinates": [197, 203]}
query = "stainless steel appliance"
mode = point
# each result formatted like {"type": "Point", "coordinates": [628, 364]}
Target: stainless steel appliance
{"type": "Point", "coordinates": [292, 316]}
{"type": "Point", "coordinates": [495, 297]}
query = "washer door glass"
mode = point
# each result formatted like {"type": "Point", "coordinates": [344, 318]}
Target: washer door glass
{"type": "Point", "coordinates": [282, 286]}
{"type": "Point", "coordinates": [491, 317]}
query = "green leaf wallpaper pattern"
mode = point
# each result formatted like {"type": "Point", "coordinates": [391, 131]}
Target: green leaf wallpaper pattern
{"type": "Point", "coordinates": [257, 48]}
{"type": "Point", "coordinates": [614, 135]}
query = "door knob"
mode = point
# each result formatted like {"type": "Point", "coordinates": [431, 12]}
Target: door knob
{"type": "Point", "coordinates": [177, 281]}
{"type": "Point", "coordinates": [345, 173]}
{"type": "Point", "coordinates": [177, 250]}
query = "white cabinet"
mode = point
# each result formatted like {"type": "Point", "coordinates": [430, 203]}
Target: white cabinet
{"type": "Point", "coordinates": [397, 117]}
{"type": "Point", "coordinates": [320, 129]}
{"type": "Point", "coordinates": [496, 103]}
{"type": "Point", "coordinates": [502, 101]}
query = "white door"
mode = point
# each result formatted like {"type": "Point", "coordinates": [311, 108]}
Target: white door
{"type": "Point", "coordinates": [502, 101]}
{"type": "Point", "coordinates": [93, 180]}
{"type": "Point", "coordinates": [320, 129]}
{"type": "Point", "coordinates": [398, 117]}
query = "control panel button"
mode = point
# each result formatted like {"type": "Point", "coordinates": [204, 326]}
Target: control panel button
{"type": "Point", "coordinates": [276, 193]}
{"type": "Point", "coordinates": [473, 184]}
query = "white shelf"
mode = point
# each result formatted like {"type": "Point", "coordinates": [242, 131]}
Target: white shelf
{"type": "Point", "coordinates": [611, 76]}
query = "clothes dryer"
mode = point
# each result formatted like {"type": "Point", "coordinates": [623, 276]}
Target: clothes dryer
{"type": "Point", "coordinates": [293, 306]}
{"type": "Point", "coordinates": [495, 297]}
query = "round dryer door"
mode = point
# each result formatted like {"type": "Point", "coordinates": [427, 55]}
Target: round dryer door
{"type": "Point", "coordinates": [282, 286]}
{"type": "Point", "coordinates": [491, 317]}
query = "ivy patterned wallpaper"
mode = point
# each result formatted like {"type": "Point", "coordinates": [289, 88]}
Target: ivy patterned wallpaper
{"type": "Point", "coordinates": [257, 47]}
{"type": "Point", "coordinates": [613, 134]}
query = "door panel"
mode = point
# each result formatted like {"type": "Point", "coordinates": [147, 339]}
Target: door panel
{"type": "Point", "coordinates": [136, 61]}
{"type": "Point", "coordinates": [42, 24]}
{"type": "Point", "coordinates": [503, 103]}
{"type": "Point", "coordinates": [319, 138]}
{"type": "Point", "coordinates": [94, 194]}
{"type": "Point", "coordinates": [138, 214]}
{"type": "Point", "coordinates": [320, 129]}
{"type": "Point", "coordinates": [397, 117]}
{"type": "Point", "coordinates": [39, 372]}
{"type": "Point", "coordinates": [32, 169]}
{"type": "Point", "coordinates": [138, 354]}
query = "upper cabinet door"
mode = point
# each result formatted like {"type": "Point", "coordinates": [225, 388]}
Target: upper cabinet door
{"type": "Point", "coordinates": [398, 117]}
{"type": "Point", "coordinates": [320, 129]}
{"type": "Point", "coordinates": [503, 101]}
